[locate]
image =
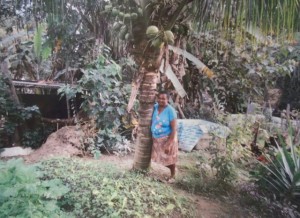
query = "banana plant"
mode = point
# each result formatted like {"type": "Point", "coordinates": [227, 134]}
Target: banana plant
{"type": "Point", "coordinates": [41, 52]}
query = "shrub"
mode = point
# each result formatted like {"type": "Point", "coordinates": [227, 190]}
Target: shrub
{"type": "Point", "coordinates": [12, 115]}
{"type": "Point", "coordinates": [23, 194]}
{"type": "Point", "coordinates": [281, 175]}
{"type": "Point", "coordinates": [104, 101]}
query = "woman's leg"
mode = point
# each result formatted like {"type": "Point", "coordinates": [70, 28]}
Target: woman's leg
{"type": "Point", "coordinates": [172, 168]}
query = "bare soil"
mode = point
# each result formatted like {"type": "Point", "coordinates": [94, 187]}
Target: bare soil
{"type": "Point", "coordinates": [65, 142]}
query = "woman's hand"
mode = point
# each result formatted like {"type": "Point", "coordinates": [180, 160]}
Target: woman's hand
{"type": "Point", "coordinates": [171, 138]}
{"type": "Point", "coordinates": [167, 145]}
{"type": "Point", "coordinates": [167, 150]}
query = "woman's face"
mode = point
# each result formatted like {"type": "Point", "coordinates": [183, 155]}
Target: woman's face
{"type": "Point", "coordinates": [162, 100]}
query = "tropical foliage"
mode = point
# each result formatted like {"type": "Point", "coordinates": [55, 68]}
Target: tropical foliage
{"type": "Point", "coordinates": [251, 68]}
{"type": "Point", "coordinates": [13, 115]}
{"type": "Point", "coordinates": [23, 194]}
{"type": "Point", "coordinates": [213, 56]}
{"type": "Point", "coordinates": [281, 175]}
{"type": "Point", "coordinates": [104, 101]}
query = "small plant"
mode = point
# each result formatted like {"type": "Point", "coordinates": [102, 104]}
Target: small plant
{"type": "Point", "coordinates": [23, 194]}
{"type": "Point", "coordinates": [281, 175]}
{"type": "Point", "coordinates": [222, 163]}
{"type": "Point", "coordinates": [194, 179]}
{"type": "Point", "coordinates": [123, 148]}
{"type": "Point", "coordinates": [204, 175]}
{"type": "Point", "coordinates": [225, 169]}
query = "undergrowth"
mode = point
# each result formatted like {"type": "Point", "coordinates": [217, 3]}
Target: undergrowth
{"type": "Point", "coordinates": [23, 194]}
{"type": "Point", "coordinates": [101, 190]}
{"type": "Point", "coordinates": [200, 175]}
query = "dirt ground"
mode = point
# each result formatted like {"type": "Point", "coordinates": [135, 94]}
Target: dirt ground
{"type": "Point", "coordinates": [66, 142]}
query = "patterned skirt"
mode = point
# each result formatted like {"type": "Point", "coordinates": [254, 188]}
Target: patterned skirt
{"type": "Point", "coordinates": [159, 148]}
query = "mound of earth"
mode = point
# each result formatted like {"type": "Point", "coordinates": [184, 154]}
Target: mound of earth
{"type": "Point", "coordinates": [64, 142]}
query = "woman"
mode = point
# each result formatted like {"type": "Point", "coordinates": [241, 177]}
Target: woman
{"type": "Point", "coordinates": [164, 134]}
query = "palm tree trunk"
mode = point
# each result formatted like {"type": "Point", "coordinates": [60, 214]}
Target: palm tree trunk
{"type": "Point", "coordinates": [149, 66]}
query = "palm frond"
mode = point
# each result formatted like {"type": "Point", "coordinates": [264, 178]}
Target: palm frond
{"type": "Point", "coordinates": [201, 66]}
{"type": "Point", "coordinates": [171, 76]}
{"type": "Point", "coordinates": [273, 17]}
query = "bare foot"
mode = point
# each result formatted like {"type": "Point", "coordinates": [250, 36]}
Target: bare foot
{"type": "Point", "coordinates": [171, 180]}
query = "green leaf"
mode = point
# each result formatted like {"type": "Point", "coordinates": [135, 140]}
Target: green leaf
{"type": "Point", "coordinates": [46, 52]}
{"type": "Point", "coordinates": [37, 42]}
{"type": "Point", "coordinates": [170, 206]}
{"type": "Point", "coordinates": [287, 165]}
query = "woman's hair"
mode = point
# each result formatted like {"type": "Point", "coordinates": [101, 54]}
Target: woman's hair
{"type": "Point", "coordinates": [163, 92]}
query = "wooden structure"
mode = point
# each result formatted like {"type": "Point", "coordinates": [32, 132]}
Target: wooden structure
{"type": "Point", "coordinates": [54, 109]}
{"type": "Point", "coordinates": [37, 84]}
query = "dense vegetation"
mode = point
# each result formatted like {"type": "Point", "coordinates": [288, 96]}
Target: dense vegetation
{"type": "Point", "coordinates": [24, 194]}
{"type": "Point", "coordinates": [215, 57]}
{"type": "Point", "coordinates": [89, 190]}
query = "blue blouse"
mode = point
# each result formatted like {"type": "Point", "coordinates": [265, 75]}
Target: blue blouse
{"type": "Point", "coordinates": [161, 123]}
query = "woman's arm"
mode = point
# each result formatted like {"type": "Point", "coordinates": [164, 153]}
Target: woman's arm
{"type": "Point", "coordinates": [173, 125]}
{"type": "Point", "coordinates": [172, 137]}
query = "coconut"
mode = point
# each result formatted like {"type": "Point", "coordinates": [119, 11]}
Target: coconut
{"type": "Point", "coordinates": [127, 36]}
{"type": "Point", "coordinates": [108, 7]}
{"type": "Point", "coordinates": [140, 11]}
{"type": "Point", "coordinates": [152, 31]}
{"type": "Point", "coordinates": [127, 17]}
{"type": "Point", "coordinates": [134, 16]}
{"type": "Point", "coordinates": [115, 12]}
{"type": "Point", "coordinates": [157, 43]}
{"type": "Point", "coordinates": [169, 37]}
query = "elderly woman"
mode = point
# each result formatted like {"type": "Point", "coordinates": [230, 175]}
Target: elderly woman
{"type": "Point", "coordinates": [164, 134]}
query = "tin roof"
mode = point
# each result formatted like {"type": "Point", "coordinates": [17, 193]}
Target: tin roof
{"type": "Point", "coordinates": [37, 84]}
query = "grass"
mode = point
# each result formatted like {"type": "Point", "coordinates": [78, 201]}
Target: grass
{"type": "Point", "coordinates": [197, 177]}
{"type": "Point", "coordinates": [102, 190]}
